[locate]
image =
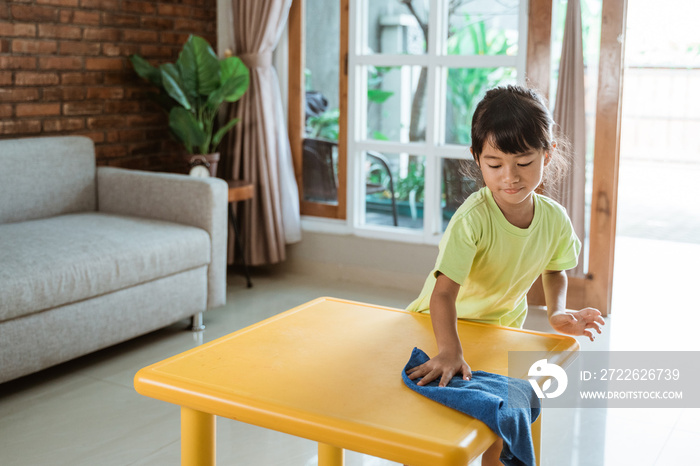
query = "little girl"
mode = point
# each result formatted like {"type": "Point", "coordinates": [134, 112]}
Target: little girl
{"type": "Point", "coordinates": [502, 238]}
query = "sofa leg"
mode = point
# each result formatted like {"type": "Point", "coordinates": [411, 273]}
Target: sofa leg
{"type": "Point", "coordinates": [197, 322]}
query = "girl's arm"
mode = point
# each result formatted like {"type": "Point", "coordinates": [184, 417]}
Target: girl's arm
{"type": "Point", "coordinates": [581, 322]}
{"type": "Point", "coordinates": [443, 314]}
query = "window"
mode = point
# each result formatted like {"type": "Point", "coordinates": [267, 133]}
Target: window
{"type": "Point", "coordinates": [416, 70]}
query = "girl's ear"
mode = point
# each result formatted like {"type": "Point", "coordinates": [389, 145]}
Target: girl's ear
{"type": "Point", "coordinates": [548, 154]}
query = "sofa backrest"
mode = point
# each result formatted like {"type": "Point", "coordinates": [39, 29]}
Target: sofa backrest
{"type": "Point", "coordinates": [44, 177]}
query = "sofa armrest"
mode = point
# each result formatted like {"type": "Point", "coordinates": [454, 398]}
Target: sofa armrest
{"type": "Point", "coordinates": [199, 202]}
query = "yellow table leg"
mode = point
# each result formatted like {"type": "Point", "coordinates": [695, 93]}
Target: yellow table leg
{"type": "Point", "coordinates": [328, 455]}
{"type": "Point", "coordinates": [536, 429]}
{"type": "Point", "coordinates": [197, 438]}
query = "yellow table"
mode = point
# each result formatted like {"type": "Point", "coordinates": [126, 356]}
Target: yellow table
{"type": "Point", "coordinates": [330, 371]}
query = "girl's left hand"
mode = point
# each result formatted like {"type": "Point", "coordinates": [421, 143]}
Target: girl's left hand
{"type": "Point", "coordinates": [582, 322]}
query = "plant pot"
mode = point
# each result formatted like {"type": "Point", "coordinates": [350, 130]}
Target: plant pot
{"type": "Point", "coordinates": [211, 161]}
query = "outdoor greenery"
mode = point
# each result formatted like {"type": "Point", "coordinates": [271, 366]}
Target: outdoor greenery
{"type": "Point", "coordinates": [193, 89]}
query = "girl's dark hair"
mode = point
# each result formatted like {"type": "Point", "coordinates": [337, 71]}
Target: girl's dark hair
{"type": "Point", "coordinates": [515, 119]}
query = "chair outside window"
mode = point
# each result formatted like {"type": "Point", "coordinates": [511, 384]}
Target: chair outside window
{"type": "Point", "coordinates": [321, 177]}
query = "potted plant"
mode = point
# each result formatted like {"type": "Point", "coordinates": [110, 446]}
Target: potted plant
{"type": "Point", "coordinates": [192, 90]}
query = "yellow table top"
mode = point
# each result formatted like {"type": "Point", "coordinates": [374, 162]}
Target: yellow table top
{"type": "Point", "coordinates": [330, 371]}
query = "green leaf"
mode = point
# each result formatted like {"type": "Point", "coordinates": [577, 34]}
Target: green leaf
{"type": "Point", "coordinates": [235, 77]}
{"type": "Point", "coordinates": [221, 132]}
{"type": "Point", "coordinates": [146, 70]}
{"type": "Point", "coordinates": [199, 67]}
{"type": "Point", "coordinates": [186, 128]}
{"type": "Point", "coordinates": [378, 96]}
{"type": "Point", "coordinates": [230, 91]}
{"type": "Point", "coordinates": [173, 84]}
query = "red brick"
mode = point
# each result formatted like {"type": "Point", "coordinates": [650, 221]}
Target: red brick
{"type": "Point", "coordinates": [173, 38]}
{"type": "Point", "coordinates": [17, 63]}
{"type": "Point", "coordinates": [122, 107]}
{"type": "Point", "coordinates": [104, 63]}
{"type": "Point", "coordinates": [24, 110]}
{"type": "Point", "coordinates": [71, 47]}
{"type": "Point", "coordinates": [105, 93]}
{"type": "Point", "coordinates": [130, 135]}
{"type": "Point", "coordinates": [18, 95]}
{"type": "Point", "coordinates": [110, 151]}
{"type": "Point", "coordinates": [81, 78]}
{"type": "Point", "coordinates": [28, 78]}
{"type": "Point", "coordinates": [64, 93]}
{"type": "Point", "coordinates": [113, 19]}
{"type": "Point", "coordinates": [117, 78]}
{"type": "Point", "coordinates": [20, 127]}
{"type": "Point", "coordinates": [161, 24]}
{"type": "Point", "coordinates": [83, 108]}
{"type": "Point", "coordinates": [63, 124]}
{"type": "Point", "coordinates": [165, 9]}
{"type": "Point", "coordinates": [147, 119]}
{"type": "Point", "coordinates": [5, 46]}
{"type": "Point", "coordinates": [4, 11]}
{"type": "Point", "coordinates": [80, 17]}
{"type": "Point", "coordinates": [188, 24]}
{"type": "Point", "coordinates": [42, 47]}
{"type": "Point", "coordinates": [72, 93]}
{"type": "Point", "coordinates": [34, 13]}
{"type": "Point", "coordinates": [122, 50]}
{"type": "Point", "coordinates": [111, 121]}
{"type": "Point", "coordinates": [105, 5]}
{"type": "Point", "coordinates": [140, 35]}
{"type": "Point", "coordinates": [147, 8]}
{"type": "Point", "coordinates": [61, 32]}
{"type": "Point", "coordinates": [60, 63]}
{"type": "Point", "coordinates": [148, 51]}
{"type": "Point", "coordinates": [5, 78]}
{"type": "Point", "coordinates": [102, 34]}
{"type": "Point", "coordinates": [73, 3]}
{"type": "Point", "coordinates": [143, 148]}
{"type": "Point", "coordinates": [96, 137]}
{"type": "Point", "coordinates": [5, 110]}
{"type": "Point", "coordinates": [17, 30]}
{"type": "Point", "coordinates": [201, 13]}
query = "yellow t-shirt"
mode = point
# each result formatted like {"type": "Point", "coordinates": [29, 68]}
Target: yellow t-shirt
{"type": "Point", "coordinates": [496, 262]}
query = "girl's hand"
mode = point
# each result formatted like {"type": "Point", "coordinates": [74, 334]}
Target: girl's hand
{"type": "Point", "coordinates": [582, 322]}
{"type": "Point", "coordinates": [445, 366]}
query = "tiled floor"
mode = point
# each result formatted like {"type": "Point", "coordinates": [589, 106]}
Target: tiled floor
{"type": "Point", "coordinates": [86, 412]}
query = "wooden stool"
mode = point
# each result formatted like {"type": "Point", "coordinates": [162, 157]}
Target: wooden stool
{"type": "Point", "coordinates": [239, 190]}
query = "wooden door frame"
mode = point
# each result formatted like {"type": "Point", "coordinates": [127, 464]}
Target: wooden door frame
{"type": "Point", "coordinates": [594, 290]}
{"type": "Point", "coordinates": [296, 119]}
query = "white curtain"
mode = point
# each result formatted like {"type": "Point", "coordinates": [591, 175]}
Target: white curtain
{"type": "Point", "coordinates": [569, 113]}
{"type": "Point", "coordinates": [258, 149]}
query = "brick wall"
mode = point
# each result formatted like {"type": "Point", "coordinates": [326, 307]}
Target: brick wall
{"type": "Point", "coordinates": [64, 70]}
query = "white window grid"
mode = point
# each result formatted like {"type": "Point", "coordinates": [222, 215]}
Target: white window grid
{"type": "Point", "coordinates": [433, 149]}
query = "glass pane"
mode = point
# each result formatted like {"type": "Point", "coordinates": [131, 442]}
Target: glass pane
{"type": "Point", "coordinates": [396, 103]}
{"type": "Point", "coordinates": [320, 170]}
{"type": "Point", "coordinates": [394, 187]}
{"type": "Point", "coordinates": [465, 88]}
{"type": "Point", "coordinates": [483, 27]}
{"type": "Point", "coordinates": [394, 28]}
{"type": "Point", "coordinates": [458, 183]}
{"type": "Point", "coordinates": [319, 163]}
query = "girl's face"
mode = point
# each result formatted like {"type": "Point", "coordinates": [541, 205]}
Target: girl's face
{"type": "Point", "coordinates": [512, 178]}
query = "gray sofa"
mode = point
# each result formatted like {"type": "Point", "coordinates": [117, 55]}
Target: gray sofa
{"type": "Point", "coordinates": [93, 256]}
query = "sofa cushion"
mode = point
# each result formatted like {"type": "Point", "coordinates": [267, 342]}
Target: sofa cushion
{"type": "Point", "coordinates": [45, 177]}
{"type": "Point", "coordinates": [59, 260]}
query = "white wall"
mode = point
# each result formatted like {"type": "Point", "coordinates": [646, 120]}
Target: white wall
{"type": "Point", "coordinates": [362, 260]}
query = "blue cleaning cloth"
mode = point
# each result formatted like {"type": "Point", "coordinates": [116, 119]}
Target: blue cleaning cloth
{"type": "Point", "coordinates": [485, 397]}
